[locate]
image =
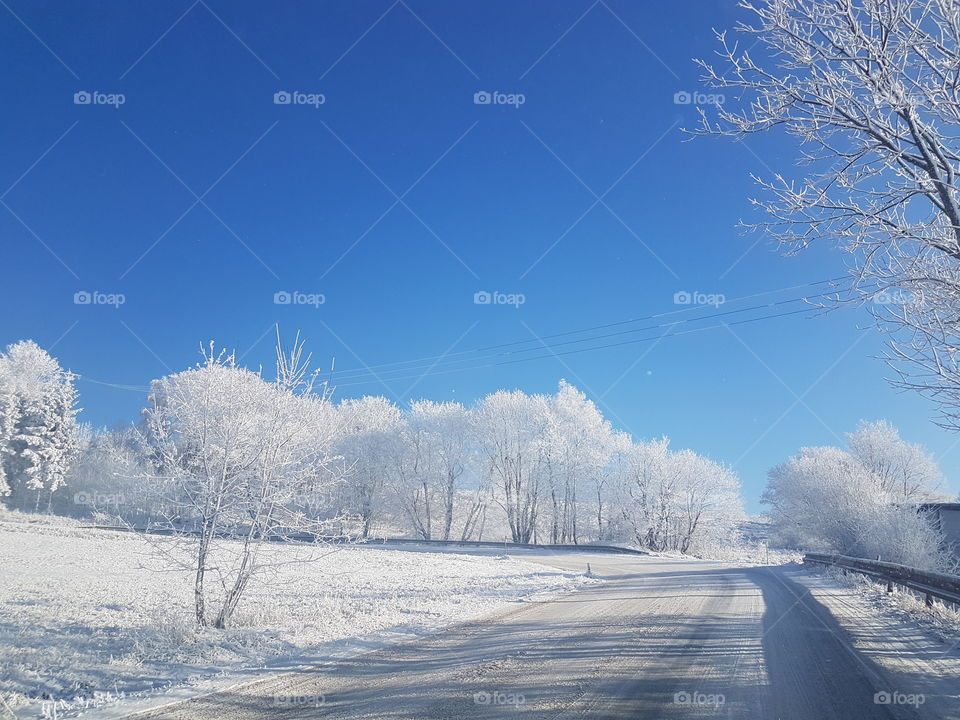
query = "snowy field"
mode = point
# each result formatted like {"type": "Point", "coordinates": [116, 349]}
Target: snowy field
{"type": "Point", "coordinates": [96, 614]}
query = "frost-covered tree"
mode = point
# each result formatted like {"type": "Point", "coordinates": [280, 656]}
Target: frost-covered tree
{"type": "Point", "coordinates": [708, 506]}
{"type": "Point", "coordinates": [111, 479]}
{"type": "Point", "coordinates": [370, 443]}
{"type": "Point", "coordinates": [861, 502]}
{"type": "Point", "coordinates": [38, 429]}
{"type": "Point", "coordinates": [237, 454]}
{"type": "Point", "coordinates": [677, 500]}
{"type": "Point", "coordinates": [510, 433]}
{"type": "Point", "coordinates": [871, 90]}
{"type": "Point", "coordinates": [576, 448]}
{"type": "Point", "coordinates": [818, 498]}
{"type": "Point", "coordinates": [906, 471]}
{"type": "Point", "coordinates": [607, 487]}
{"type": "Point", "coordinates": [438, 437]}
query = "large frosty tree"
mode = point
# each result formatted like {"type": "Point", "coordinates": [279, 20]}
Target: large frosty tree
{"type": "Point", "coordinates": [510, 428]}
{"type": "Point", "coordinates": [859, 501]}
{"type": "Point", "coordinates": [237, 455]}
{"type": "Point", "coordinates": [38, 431]}
{"type": "Point", "coordinates": [871, 89]}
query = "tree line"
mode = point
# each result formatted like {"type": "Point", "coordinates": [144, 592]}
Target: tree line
{"type": "Point", "coordinates": [516, 466]}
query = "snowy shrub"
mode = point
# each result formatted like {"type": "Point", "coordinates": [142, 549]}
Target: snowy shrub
{"type": "Point", "coordinates": [861, 502]}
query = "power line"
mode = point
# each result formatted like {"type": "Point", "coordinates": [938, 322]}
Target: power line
{"type": "Point", "coordinates": [441, 364]}
{"type": "Point", "coordinates": [478, 354]}
{"type": "Point", "coordinates": [672, 312]}
{"type": "Point", "coordinates": [347, 374]}
{"type": "Point", "coordinates": [568, 352]}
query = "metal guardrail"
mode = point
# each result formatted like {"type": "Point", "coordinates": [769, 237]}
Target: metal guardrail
{"type": "Point", "coordinates": [931, 584]}
{"type": "Point", "coordinates": [310, 538]}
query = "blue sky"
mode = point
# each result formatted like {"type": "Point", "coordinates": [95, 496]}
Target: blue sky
{"type": "Point", "coordinates": [399, 198]}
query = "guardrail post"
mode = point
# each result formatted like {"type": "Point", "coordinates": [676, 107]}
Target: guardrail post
{"type": "Point", "coordinates": [889, 587]}
{"type": "Point", "coordinates": [928, 601]}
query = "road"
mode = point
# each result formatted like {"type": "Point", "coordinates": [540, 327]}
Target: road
{"type": "Point", "coordinates": [660, 638]}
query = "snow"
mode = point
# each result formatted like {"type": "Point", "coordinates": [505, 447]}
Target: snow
{"type": "Point", "coordinates": [96, 614]}
{"type": "Point", "coordinates": [943, 619]}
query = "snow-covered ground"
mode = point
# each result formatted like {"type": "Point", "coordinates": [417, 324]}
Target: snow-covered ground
{"type": "Point", "coordinates": [87, 613]}
{"type": "Point", "coordinates": [941, 619]}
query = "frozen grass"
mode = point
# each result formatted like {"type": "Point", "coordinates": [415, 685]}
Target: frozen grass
{"type": "Point", "coordinates": [942, 619]}
{"type": "Point", "coordinates": [88, 613]}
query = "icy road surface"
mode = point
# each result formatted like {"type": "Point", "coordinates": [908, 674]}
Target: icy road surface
{"type": "Point", "coordinates": [661, 638]}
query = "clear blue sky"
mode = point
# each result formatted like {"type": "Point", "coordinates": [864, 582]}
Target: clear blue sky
{"type": "Point", "coordinates": [199, 198]}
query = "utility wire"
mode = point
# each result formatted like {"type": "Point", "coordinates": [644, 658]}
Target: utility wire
{"type": "Point", "coordinates": [479, 354]}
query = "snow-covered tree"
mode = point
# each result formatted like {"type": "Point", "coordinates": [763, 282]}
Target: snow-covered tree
{"type": "Point", "coordinates": [708, 506]}
{"type": "Point", "coordinates": [576, 447]}
{"type": "Point", "coordinates": [510, 433]}
{"type": "Point", "coordinates": [676, 500]}
{"type": "Point", "coordinates": [38, 429]}
{"type": "Point", "coordinates": [370, 444]}
{"type": "Point", "coordinates": [237, 453]}
{"type": "Point", "coordinates": [906, 471]}
{"type": "Point", "coordinates": [607, 486]}
{"type": "Point", "coordinates": [437, 436]}
{"type": "Point", "coordinates": [110, 477]}
{"type": "Point", "coordinates": [861, 502]}
{"type": "Point", "coordinates": [870, 90]}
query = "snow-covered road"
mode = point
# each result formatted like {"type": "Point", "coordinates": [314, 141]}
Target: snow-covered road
{"type": "Point", "coordinates": [662, 638]}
